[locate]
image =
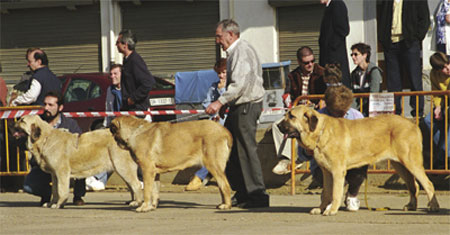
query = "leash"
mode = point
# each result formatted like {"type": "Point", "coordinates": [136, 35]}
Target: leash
{"type": "Point", "coordinates": [366, 201]}
{"type": "Point", "coordinates": [187, 117]}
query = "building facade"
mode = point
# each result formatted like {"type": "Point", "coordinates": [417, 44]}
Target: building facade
{"type": "Point", "coordinates": [79, 36]}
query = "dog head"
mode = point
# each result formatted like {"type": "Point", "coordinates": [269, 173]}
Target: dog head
{"type": "Point", "coordinates": [301, 123]}
{"type": "Point", "coordinates": [29, 126]}
{"type": "Point", "coordinates": [122, 128]}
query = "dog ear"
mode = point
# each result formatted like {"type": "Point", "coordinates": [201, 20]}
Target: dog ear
{"type": "Point", "coordinates": [35, 133]}
{"type": "Point", "coordinates": [312, 121]}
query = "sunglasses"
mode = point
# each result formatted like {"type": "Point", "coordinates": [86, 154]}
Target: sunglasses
{"type": "Point", "coordinates": [308, 62]}
{"type": "Point", "coordinates": [354, 54]}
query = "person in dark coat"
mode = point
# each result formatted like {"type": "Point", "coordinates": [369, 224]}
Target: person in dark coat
{"type": "Point", "coordinates": [137, 81]}
{"type": "Point", "coordinates": [333, 31]}
{"type": "Point", "coordinates": [42, 80]}
{"type": "Point", "coordinates": [402, 27]}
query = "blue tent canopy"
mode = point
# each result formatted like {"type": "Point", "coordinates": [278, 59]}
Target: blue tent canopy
{"type": "Point", "coordinates": [191, 87]}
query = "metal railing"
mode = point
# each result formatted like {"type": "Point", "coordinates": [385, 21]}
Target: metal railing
{"type": "Point", "coordinates": [13, 162]}
{"type": "Point", "coordinates": [386, 169]}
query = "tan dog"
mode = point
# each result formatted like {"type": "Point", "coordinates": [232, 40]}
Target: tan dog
{"type": "Point", "coordinates": [162, 147]}
{"type": "Point", "coordinates": [65, 155]}
{"type": "Point", "coordinates": [340, 144]}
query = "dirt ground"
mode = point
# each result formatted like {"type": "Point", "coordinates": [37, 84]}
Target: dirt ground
{"type": "Point", "coordinates": [194, 213]}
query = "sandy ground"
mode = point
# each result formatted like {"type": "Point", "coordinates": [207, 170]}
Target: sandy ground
{"type": "Point", "coordinates": [194, 213]}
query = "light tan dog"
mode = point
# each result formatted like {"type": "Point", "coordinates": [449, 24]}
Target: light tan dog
{"type": "Point", "coordinates": [65, 155]}
{"type": "Point", "coordinates": [340, 144]}
{"type": "Point", "coordinates": [162, 147]}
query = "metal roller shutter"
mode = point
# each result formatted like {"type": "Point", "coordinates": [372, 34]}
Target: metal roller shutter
{"type": "Point", "coordinates": [71, 39]}
{"type": "Point", "coordinates": [173, 36]}
{"type": "Point", "coordinates": [298, 26]}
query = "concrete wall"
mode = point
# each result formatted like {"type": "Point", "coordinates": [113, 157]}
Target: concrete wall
{"type": "Point", "coordinates": [257, 20]}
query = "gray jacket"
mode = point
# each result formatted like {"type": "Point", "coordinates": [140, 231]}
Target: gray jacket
{"type": "Point", "coordinates": [244, 75]}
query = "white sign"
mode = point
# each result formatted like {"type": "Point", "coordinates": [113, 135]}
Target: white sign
{"type": "Point", "coordinates": [381, 103]}
{"type": "Point", "coordinates": [161, 101]}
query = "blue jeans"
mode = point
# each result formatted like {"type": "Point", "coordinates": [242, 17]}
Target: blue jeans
{"type": "Point", "coordinates": [37, 182]}
{"type": "Point", "coordinates": [202, 173]}
{"type": "Point", "coordinates": [103, 177]}
{"type": "Point", "coordinates": [438, 139]}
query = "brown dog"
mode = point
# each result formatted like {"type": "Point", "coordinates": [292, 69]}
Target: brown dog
{"type": "Point", "coordinates": [65, 155]}
{"type": "Point", "coordinates": [162, 147]}
{"type": "Point", "coordinates": [340, 144]}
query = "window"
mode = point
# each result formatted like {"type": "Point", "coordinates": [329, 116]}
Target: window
{"type": "Point", "coordinates": [80, 90]}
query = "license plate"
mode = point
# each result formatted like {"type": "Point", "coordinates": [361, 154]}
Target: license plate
{"type": "Point", "coordinates": [161, 101]}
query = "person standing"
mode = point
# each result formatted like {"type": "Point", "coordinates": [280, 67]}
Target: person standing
{"type": "Point", "coordinates": [137, 81]}
{"type": "Point", "coordinates": [244, 96]}
{"type": "Point", "coordinates": [37, 182]}
{"type": "Point", "coordinates": [402, 27]}
{"type": "Point", "coordinates": [42, 80]}
{"type": "Point", "coordinates": [442, 18]}
{"type": "Point", "coordinates": [333, 31]}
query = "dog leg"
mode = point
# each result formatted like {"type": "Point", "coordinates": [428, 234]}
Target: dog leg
{"type": "Point", "coordinates": [54, 192]}
{"type": "Point", "coordinates": [338, 174]}
{"type": "Point", "coordinates": [126, 168]}
{"type": "Point", "coordinates": [419, 172]}
{"type": "Point", "coordinates": [213, 154]}
{"type": "Point", "coordinates": [411, 184]}
{"type": "Point", "coordinates": [224, 188]}
{"type": "Point", "coordinates": [149, 173]}
{"type": "Point", "coordinates": [155, 192]}
{"type": "Point", "coordinates": [326, 195]}
{"type": "Point", "coordinates": [63, 186]}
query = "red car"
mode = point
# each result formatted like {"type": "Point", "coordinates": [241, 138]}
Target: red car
{"type": "Point", "coordinates": [87, 92]}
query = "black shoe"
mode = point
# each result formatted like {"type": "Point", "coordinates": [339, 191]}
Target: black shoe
{"type": "Point", "coordinates": [78, 201]}
{"type": "Point", "coordinates": [237, 199]}
{"type": "Point", "coordinates": [44, 200]}
{"type": "Point", "coordinates": [256, 199]}
{"type": "Point", "coordinates": [254, 204]}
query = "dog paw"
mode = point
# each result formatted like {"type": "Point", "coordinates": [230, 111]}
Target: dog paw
{"type": "Point", "coordinates": [328, 211]}
{"type": "Point", "coordinates": [223, 207]}
{"type": "Point", "coordinates": [409, 207]}
{"type": "Point", "coordinates": [55, 206]}
{"type": "Point", "coordinates": [134, 204]}
{"type": "Point", "coordinates": [433, 205]}
{"type": "Point", "coordinates": [155, 203]}
{"type": "Point", "coordinates": [315, 211]}
{"type": "Point", "coordinates": [46, 205]}
{"type": "Point", "coordinates": [145, 207]}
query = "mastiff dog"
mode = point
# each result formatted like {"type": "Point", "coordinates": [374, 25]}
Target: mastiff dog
{"type": "Point", "coordinates": [66, 155]}
{"type": "Point", "coordinates": [340, 144]}
{"type": "Point", "coordinates": [161, 147]}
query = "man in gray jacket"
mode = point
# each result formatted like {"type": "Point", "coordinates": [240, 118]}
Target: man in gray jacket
{"type": "Point", "coordinates": [244, 96]}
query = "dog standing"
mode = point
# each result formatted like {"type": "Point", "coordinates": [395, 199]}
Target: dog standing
{"type": "Point", "coordinates": [340, 144]}
{"type": "Point", "coordinates": [162, 147]}
{"type": "Point", "coordinates": [65, 155]}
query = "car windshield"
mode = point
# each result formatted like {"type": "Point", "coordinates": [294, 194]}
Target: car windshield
{"type": "Point", "coordinates": [81, 89]}
{"type": "Point", "coordinates": [161, 84]}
